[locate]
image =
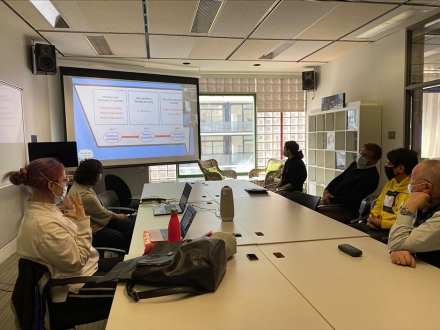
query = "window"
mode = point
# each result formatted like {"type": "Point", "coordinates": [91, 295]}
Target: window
{"type": "Point", "coordinates": [422, 123]}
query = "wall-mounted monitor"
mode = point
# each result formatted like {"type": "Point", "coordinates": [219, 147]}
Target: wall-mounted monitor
{"type": "Point", "coordinates": [127, 118]}
{"type": "Point", "coordinates": [65, 152]}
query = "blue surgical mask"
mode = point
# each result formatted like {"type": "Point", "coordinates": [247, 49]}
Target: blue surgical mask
{"type": "Point", "coordinates": [361, 160]}
{"type": "Point", "coordinates": [58, 199]}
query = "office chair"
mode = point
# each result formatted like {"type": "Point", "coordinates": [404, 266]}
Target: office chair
{"type": "Point", "coordinates": [346, 214]}
{"type": "Point", "coordinates": [32, 293]}
{"type": "Point", "coordinates": [110, 201]}
{"type": "Point", "coordinates": [309, 201]}
{"type": "Point", "coordinates": [118, 185]}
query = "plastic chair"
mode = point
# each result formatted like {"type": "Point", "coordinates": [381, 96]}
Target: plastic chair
{"type": "Point", "coordinates": [309, 201]}
{"type": "Point", "coordinates": [29, 301]}
{"type": "Point", "coordinates": [273, 171]}
{"type": "Point", "coordinates": [212, 172]}
{"type": "Point", "coordinates": [346, 214]}
{"type": "Point", "coordinates": [118, 185]}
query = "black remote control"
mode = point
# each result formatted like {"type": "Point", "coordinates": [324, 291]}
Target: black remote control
{"type": "Point", "coordinates": [350, 250]}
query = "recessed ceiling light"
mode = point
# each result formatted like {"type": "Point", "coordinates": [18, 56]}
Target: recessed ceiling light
{"type": "Point", "coordinates": [186, 63]}
{"type": "Point", "coordinates": [257, 64]}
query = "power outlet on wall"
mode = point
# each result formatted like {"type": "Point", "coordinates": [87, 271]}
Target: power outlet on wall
{"type": "Point", "coordinates": [391, 135]}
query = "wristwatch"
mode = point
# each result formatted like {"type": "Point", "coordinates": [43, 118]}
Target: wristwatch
{"type": "Point", "coordinates": [405, 211]}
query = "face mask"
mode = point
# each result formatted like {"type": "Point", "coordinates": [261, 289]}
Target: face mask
{"type": "Point", "coordinates": [58, 199]}
{"type": "Point", "coordinates": [410, 186]}
{"type": "Point", "coordinates": [285, 153]}
{"type": "Point", "coordinates": [361, 160]}
{"type": "Point", "coordinates": [389, 172]}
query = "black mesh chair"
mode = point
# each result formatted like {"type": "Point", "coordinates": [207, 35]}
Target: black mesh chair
{"type": "Point", "coordinates": [118, 185]}
{"type": "Point", "coordinates": [309, 201]}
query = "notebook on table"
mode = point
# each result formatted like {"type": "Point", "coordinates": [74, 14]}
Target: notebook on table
{"type": "Point", "coordinates": [158, 235]}
{"type": "Point", "coordinates": [166, 208]}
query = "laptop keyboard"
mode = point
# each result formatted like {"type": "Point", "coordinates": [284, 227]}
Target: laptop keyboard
{"type": "Point", "coordinates": [168, 208]}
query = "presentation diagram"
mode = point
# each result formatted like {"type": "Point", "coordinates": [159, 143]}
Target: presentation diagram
{"type": "Point", "coordinates": [127, 116]}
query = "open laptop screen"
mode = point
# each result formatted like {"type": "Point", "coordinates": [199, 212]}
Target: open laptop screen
{"type": "Point", "coordinates": [187, 220]}
{"type": "Point", "coordinates": [185, 196]}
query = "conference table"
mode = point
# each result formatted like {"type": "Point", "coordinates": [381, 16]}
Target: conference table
{"type": "Point", "coordinates": [301, 280]}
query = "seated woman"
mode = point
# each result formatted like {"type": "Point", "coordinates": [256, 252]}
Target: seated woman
{"type": "Point", "coordinates": [109, 229]}
{"type": "Point", "coordinates": [62, 243]}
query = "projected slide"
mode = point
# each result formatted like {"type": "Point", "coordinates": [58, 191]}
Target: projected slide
{"type": "Point", "coordinates": [133, 116]}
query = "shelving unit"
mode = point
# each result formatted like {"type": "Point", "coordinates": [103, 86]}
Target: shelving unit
{"type": "Point", "coordinates": [334, 138]}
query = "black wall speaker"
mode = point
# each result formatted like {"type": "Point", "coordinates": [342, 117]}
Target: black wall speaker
{"type": "Point", "coordinates": [309, 81]}
{"type": "Point", "coordinates": [43, 59]}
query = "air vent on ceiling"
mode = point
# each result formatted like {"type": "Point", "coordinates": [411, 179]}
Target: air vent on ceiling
{"type": "Point", "coordinates": [277, 50]}
{"type": "Point", "coordinates": [205, 15]}
{"type": "Point", "coordinates": [99, 45]}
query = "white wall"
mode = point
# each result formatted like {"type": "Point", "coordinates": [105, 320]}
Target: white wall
{"type": "Point", "coordinates": [372, 73]}
{"type": "Point", "coordinates": [15, 68]}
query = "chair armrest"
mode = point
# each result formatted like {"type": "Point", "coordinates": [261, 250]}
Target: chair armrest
{"type": "Point", "coordinates": [340, 212]}
{"type": "Point", "coordinates": [73, 280]}
{"type": "Point", "coordinates": [256, 172]}
{"type": "Point", "coordinates": [270, 176]}
{"type": "Point", "coordinates": [125, 210]}
{"type": "Point", "coordinates": [103, 249]}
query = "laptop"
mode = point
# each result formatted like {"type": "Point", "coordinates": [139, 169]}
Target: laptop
{"type": "Point", "coordinates": [158, 235]}
{"type": "Point", "coordinates": [166, 209]}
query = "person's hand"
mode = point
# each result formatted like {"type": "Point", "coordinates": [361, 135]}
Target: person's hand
{"type": "Point", "coordinates": [374, 222]}
{"type": "Point", "coordinates": [403, 258]}
{"type": "Point", "coordinates": [417, 200]}
{"type": "Point", "coordinates": [326, 196]}
{"type": "Point", "coordinates": [79, 208]}
{"type": "Point", "coordinates": [122, 216]}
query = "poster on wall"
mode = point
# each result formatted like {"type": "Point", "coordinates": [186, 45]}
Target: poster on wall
{"type": "Point", "coordinates": [333, 102]}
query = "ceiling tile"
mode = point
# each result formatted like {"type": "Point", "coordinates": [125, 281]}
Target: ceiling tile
{"type": "Point", "coordinates": [171, 17]}
{"type": "Point", "coordinates": [238, 18]}
{"type": "Point", "coordinates": [213, 48]}
{"type": "Point", "coordinates": [72, 15]}
{"type": "Point", "coordinates": [291, 18]}
{"type": "Point", "coordinates": [300, 50]}
{"type": "Point", "coordinates": [127, 45]}
{"type": "Point", "coordinates": [171, 47]}
{"type": "Point", "coordinates": [30, 14]}
{"type": "Point", "coordinates": [122, 16]}
{"type": "Point", "coordinates": [344, 19]}
{"type": "Point", "coordinates": [334, 50]}
{"type": "Point", "coordinates": [76, 46]}
{"type": "Point", "coordinates": [253, 49]}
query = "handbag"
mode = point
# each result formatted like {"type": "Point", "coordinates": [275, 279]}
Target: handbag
{"type": "Point", "coordinates": [195, 267]}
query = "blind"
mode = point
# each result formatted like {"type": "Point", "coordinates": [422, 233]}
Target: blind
{"type": "Point", "coordinates": [273, 94]}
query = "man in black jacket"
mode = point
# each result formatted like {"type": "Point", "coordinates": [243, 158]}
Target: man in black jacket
{"type": "Point", "coordinates": [358, 181]}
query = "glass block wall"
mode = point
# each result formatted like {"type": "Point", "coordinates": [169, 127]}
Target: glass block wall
{"type": "Point", "coordinates": [281, 105]}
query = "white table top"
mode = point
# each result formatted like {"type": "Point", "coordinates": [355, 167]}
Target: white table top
{"type": "Point", "coordinates": [281, 220]}
{"type": "Point", "coordinates": [252, 295]}
{"type": "Point", "coordinates": [213, 188]}
{"type": "Point", "coordinates": [368, 292]}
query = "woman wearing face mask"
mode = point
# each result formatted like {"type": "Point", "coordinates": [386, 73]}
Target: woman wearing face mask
{"type": "Point", "coordinates": [61, 242]}
{"type": "Point", "coordinates": [294, 171]}
{"type": "Point", "coordinates": [109, 229]}
{"type": "Point", "coordinates": [394, 194]}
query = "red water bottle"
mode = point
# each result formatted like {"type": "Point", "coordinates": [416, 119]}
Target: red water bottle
{"type": "Point", "coordinates": [174, 227]}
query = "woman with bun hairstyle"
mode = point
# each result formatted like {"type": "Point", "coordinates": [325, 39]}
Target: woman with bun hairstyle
{"type": "Point", "coordinates": [294, 171]}
{"type": "Point", "coordinates": [61, 242]}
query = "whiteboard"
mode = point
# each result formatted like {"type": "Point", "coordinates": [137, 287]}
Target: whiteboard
{"type": "Point", "coordinates": [12, 146]}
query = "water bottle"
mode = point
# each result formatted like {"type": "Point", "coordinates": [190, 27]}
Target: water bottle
{"type": "Point", "coordinates": [174, 227]}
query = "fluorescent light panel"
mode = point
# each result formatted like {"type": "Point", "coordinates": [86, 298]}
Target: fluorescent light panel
{"type": "Point", "coordinates": [47, 9]}
{"type": "Point", "coordinates": [413, 12]}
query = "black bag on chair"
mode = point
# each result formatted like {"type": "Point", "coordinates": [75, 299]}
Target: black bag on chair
{"type": "Point", "coordinates": [176, 267]}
